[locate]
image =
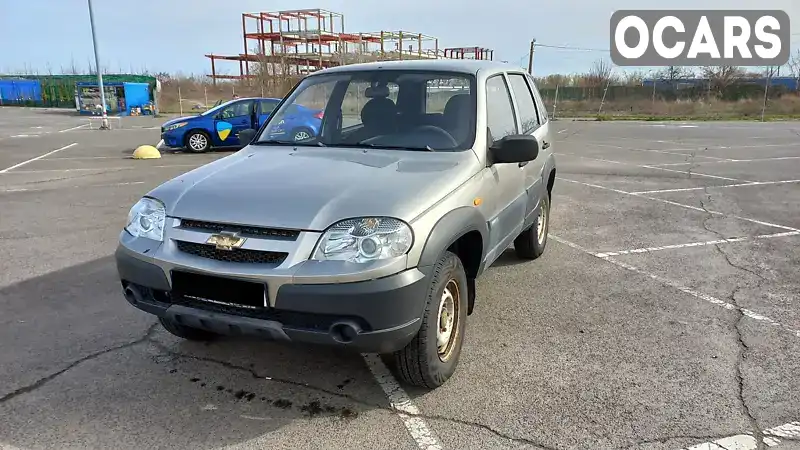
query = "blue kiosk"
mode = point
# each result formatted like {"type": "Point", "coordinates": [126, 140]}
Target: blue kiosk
{"type": "Point", "coordinates": [122, 98]}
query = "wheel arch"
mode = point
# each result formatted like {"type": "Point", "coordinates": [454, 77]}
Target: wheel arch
{"type": "Point", "coordinates": [464, 232]}
{"type": "Point", "coordinates": [190, 131]}
{"type": "Point", "coordinates": [551, 181]}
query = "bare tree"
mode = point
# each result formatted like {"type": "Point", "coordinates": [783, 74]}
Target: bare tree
{"type": "Point", "coordinates": [794, 66]}
{"type": "Point", "coordinates": [673, 73]}
{"type": "Point", "coordinates": [635, 78]}
{"type": "Point", "coordinates": [600, 74]}
{"type": "Point", "coordinates": [721, 78]}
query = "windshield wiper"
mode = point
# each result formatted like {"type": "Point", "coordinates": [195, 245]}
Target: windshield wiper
{"type": "Point", "coordinates": [289, 143]}
{"type": "Point", "coordinates": [427, 148]}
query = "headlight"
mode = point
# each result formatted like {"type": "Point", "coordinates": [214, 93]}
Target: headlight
{"type": "Point", "coordinates": [175, 126]}
{"type": "Point", "coordinates": [364, 239]}
{"type": "Point", "coordinates": [146, 219]}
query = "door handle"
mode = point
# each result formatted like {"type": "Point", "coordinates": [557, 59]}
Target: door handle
{"type": "Point", "coordinates": [523, 163]}
{"type": "Point", "coordinates": [545, 145]}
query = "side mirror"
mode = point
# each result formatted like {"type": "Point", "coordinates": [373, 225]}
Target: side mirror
{"type": "Point", "coordinates": [515, 148]}
{"type": "Point", "coordinates": [246, 136]}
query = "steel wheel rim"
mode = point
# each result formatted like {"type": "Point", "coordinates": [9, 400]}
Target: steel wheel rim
{"type": "Point", "coordinates": [447, 329]}
{"type": "Point", "coordinates": [197, 142]}
{"type": "Point", "coordinates": [301, 135]}
{"type": "Point", "coordinates": [541, 223]}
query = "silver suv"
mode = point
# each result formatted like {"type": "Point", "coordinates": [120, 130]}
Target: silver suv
{"type": "Point", "coordinates": [368, 235]}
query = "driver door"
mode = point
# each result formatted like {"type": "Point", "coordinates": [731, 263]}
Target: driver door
{"type": "Point", "coordinates": [533, 121]}
{"type": "Point", "coordinates": [231, 120]}
{"type": "Point", "coordinates": [507, 200]}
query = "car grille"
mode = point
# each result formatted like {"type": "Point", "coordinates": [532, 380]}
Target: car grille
{"type": "Point", "coordinates": [238, 255]}
{"type": "Point", "coordinates": [244, 230]}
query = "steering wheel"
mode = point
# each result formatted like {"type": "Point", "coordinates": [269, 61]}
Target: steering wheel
{"type": "Point", "coordinates": [433, 132]}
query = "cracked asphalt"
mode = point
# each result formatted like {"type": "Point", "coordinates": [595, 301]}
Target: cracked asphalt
{"type": "Point", "coordinates": [664, 313]}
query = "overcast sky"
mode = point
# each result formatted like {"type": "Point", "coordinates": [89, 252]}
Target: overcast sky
{"type": "Point", "coordinates": [173, 35]}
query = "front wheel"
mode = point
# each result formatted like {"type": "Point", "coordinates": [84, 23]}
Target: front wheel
{"type": "Point", "coordinates": [198, 142]}
{"type": "Point", "coordinates": [430, 359]}
{"type": "Point", "coordinates": [530, 244]}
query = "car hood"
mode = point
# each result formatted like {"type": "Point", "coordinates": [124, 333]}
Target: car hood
{"type": "Point", "coordinates": [310, 189]}
{"type": "Point", "coordinates": [178, 120]}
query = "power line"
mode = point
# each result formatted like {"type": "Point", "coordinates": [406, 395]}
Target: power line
{"type": "Point", "coordinates": [568, 47]}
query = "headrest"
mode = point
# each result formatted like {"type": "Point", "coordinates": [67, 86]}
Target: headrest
{"type": "Point", "coordinates": [457, 103]}
{"type": "Point", "coordinates": [378, 110]}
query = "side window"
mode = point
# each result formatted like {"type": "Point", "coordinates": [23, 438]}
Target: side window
{"type": "Point", "coordinates": [528, 118]}
{"type": "Point", "coordinates": [543, 116]}
{"type": "Point", "coordinates": [267, 106]}
{"type": "Point", "coordinates": [499, 111]}
{"type": "Point", "coordinates": [238, 109]}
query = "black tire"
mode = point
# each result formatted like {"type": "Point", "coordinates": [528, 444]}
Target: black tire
{"type": "Point", "coordinates": [184, 332]}
{"type": "Point", "coordinates": [419, 363]}
{"type": "Point", "coordinates": [204, 136]}
{"type": "Point", "coordinates": [298, 132]}
{"type": "Point", "coordinates": [527, 244]}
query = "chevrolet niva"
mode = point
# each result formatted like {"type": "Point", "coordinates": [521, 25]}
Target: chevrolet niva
{"type": "Point", "coordinates": [367, 235]}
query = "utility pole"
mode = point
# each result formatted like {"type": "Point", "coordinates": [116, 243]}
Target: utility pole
{"type": "Point", "coordinates": [104, 125]}
{"type": "Point", "coordinates": [530, 57]}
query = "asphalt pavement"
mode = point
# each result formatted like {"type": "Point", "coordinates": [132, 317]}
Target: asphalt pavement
{"type": "Point", "coordinates": [665, 313]}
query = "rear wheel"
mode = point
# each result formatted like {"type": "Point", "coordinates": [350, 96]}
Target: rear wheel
{"type": "Point", "coordinates": [198, 142]}
{"type": "Point", "coordinates": [530, 244]}
{"type": "Point", "coordinates": [430, 359]}
{"type": "Point", "coordinates": [184, 332]}
{"type": "Point", "coordinates": [302, 134]}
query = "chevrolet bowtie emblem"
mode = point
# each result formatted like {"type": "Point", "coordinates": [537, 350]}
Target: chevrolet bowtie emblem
{"type": "Point", "coordinates": [225, 241]}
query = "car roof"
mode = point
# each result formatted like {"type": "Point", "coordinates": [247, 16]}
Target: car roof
{"type": "Point", "coordinates": [252, 98]}
{"type": "Point", "coordinates": [471, 66]}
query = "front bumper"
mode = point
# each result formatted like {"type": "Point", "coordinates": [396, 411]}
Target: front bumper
{"type": "Point", "coordinates": [174, 139]}
{"type": "Point", "coordinates": [375, 316]}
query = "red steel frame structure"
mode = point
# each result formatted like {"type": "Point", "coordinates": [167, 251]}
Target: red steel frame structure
{"type": "Point", "coordinates": [306, 40]}
{"type": "Point", "coordinates": [475, 52]}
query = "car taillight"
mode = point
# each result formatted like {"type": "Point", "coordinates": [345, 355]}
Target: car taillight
{"type": "Point", "coordinates": [319, 115]}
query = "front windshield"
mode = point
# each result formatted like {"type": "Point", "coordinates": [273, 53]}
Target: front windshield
{"type": "Point", "coordinates": [391, 109]}
{"type": "Point", "coordinates": [216, 108]}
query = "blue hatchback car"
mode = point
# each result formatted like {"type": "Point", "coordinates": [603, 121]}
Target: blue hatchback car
{"type": "Point", "coordinates": [219, 127]}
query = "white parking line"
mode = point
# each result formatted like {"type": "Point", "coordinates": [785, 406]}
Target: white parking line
{"type": "Point", "coordinates": [780, 158]}
{"type": "Point", "coordinates": [666, 152]}
{"type": "Point", "coordinates": [754, 183]}
{"type": "Point", "coordinates": [38, 157]}
{"type": "Point", "coordinates": [653, 167]}
{"type": "Point", "coordinates": [399, 400]}
{"type": "Point", "coordinates": [64, 187]}
{"type": "Point", "coordinates": [84, 157]}
{"type": "Point", "coordinates": [748, 441]}
{"type": "Point", "coordinates": [73, 128]}
{"type": "Point", "coordinates": [685, 289]}
{"type": "Point", "coordinates": [695, 208]}
{"type": "Point", "coordinates": [89, 169]}
{"type": "Point", "coordinates": [697, 244]}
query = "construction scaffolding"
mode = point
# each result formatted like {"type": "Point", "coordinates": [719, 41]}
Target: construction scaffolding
{"type": "Point", "coordinates": [301, 41]}
{"type": "Point", "coordinates": [469, 53]}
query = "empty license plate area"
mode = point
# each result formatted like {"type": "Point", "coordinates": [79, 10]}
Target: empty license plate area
{"type": "Point", "coordinates": [218, 290]}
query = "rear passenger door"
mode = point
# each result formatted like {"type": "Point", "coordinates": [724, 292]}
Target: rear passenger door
{"type": "Point", "coordinates": [506, 196]}
{"type": "Point", "coordinates": [533, 121]}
